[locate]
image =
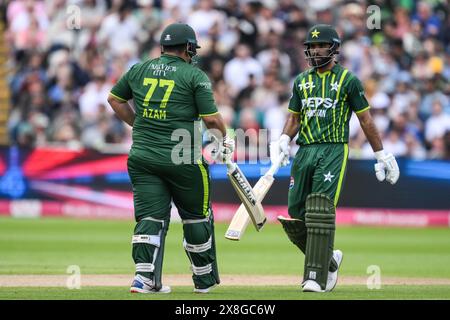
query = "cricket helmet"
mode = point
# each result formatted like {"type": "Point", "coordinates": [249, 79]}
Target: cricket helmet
{"type": "Point", "coordinates": [322, 33]}
{"type": "Point", "coordinates": [180, 33]}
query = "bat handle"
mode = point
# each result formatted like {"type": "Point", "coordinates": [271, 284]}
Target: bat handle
{"type": "Point", "coordinates": [276, 165]}
{"type": "Point", "coordinates": [231, 166]}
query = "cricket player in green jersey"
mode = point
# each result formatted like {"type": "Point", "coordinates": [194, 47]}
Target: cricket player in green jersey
{"type": "Point", "coordinates": [170, 97]}
{"type": "Point", "coordinates": [322, 102]}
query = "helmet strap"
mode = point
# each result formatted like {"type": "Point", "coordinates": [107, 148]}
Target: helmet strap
{"type": "Point", "coordinates": [191, 49]}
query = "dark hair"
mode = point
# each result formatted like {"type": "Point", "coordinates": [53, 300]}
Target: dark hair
{"type": "Point", "coordinates": [179, 48]}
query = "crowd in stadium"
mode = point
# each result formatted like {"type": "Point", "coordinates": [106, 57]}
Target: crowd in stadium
{"type": "Point", "coordinates": [66, 55]}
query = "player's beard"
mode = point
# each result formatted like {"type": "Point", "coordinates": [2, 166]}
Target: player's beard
{"type": "Point", "coordinates": [317, 60]}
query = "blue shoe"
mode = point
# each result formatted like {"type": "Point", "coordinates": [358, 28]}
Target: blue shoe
{"type": "Point", "coordinates": [143, 285]}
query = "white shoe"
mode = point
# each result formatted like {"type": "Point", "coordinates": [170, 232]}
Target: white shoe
{"type": "Point", "coordinates": [205, 290]}
{"type": "Point", "coordinates": [311, 286]}
{"type": "Point", "coordinates": [333, 276]}
{"type": "Point", "coordinates": [144, 285]}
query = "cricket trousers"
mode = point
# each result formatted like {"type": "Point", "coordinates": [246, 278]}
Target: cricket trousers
{"type": "Point", "coordinates": [155, 187]}
{"type": "Point", "coordinates": [317, 168]}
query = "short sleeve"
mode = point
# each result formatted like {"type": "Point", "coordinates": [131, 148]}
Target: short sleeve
{"type": "Point", "coordinates": [204, 98]}
{"type": "Point", "coordinates": [356, 98]}
{"type": "Point", "coordinates": [122, 89]}
{"type": "Point", "coordinates": [295, 103]}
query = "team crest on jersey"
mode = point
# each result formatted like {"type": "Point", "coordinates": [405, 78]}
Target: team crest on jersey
{"type": "Point", "coordinates": [291, 183]}
{"type": "Point", "coordinates": [334, 86]}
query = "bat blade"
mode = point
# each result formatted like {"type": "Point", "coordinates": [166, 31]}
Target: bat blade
{"type": "Point", "coordinates": [247, 197]}
{"type": "Point", "coordinates": [241, 218]}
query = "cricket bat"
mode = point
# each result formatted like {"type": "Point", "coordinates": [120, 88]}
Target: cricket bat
{"type": "Point", "coordinates": [242, 217]}
{"type": "Point", "coordinates": [252, 207]}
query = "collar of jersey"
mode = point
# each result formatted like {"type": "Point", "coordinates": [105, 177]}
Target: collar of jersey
{"type": "Point", "coordinates": [334, 70]}
{"type": "Point", "coordinates": [169, 56]}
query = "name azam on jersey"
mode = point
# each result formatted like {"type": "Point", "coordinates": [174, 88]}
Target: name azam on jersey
{"type": "Point", "coordinates": [154, 114]}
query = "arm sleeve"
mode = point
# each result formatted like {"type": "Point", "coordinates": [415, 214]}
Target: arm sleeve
{"type": "Point", "coordinates": [295, 103]}
{"type": "Point", "coordinates": [356, 98]}
{"type": "Point", "coordinates": [122, 89]}
{"type": "Point", "coordinates": [203, 95]}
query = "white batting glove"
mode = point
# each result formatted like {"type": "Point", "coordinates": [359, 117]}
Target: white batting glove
{"type": "Point", "coordinates": [280, 146]}
{"type": "Point", "coordinates": [386, 167]}
{"type": "Point", "coordinates": [225, 149]}
{"type": "Point", "coordinates": [228, 145]}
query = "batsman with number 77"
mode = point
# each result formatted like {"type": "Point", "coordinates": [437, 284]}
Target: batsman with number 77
{"type": "Point", "coordinates": [323, 99]}
{"type": "Point", "coordinates": [170, 95]}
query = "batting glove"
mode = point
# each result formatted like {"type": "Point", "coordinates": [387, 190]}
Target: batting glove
{"type": "Point", "coordinates": [225, 149]}
{"type": "Point", "coordinates": [386, 167]}
{"type": "Point", "coordinates": [280, 146]}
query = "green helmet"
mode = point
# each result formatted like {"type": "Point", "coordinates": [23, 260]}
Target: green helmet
{"type": "Point", "coordinates": [322, 33]}
{"type": "Point", "coordinates": [177, 34]}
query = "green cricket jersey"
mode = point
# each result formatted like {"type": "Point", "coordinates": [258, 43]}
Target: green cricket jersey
{"type": "Point", "coordinates": [325, 103]}
{"type": "Point", "coordinates": [168, 94]}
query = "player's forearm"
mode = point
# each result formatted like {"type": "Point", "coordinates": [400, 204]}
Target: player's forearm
{"type": "Point", "coordinates": [371, 132]}
{"type": "Point", "coordinates": [123, 110]}
{"type": "Point", "coordinates": [292, 125]}
{"type": "Point", "coordinates": [215, 122]}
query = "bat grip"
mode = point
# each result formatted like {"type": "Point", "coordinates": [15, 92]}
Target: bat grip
{"type": "Point", "coordinates": [231, 166]}
{"type": "Point", "coordinates": [276, 165]}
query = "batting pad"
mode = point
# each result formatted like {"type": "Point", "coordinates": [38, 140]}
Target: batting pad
{"type": "Point", "coordinates": [148, 248]}
{"type": "Point", "coordinates": [295, 230]}
{"type": "Point", "coordinates": [199, 244]}
{"type": "Point", "coordinates": [320, 222]}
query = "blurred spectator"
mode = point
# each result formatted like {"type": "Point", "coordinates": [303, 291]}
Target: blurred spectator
{"type": "Point", "coordinates": [266, 96]}
{"type": "Point", "coordinates": [430, 95]}
{"type": "Point", "coordinates": [274, 119]}
{"type": "Point", "coordinates": [31, 37]}
{"type": "Point", "coordinates": [412, 40]}
{"type": "Point", "coordinates": [272, 59]}
{"type": "Point", "coordinates": [22, 14]}
{"type": "Point", "coordinates": [429, 22]}
{"type": "Point", "coordinates": [437, 124]}
{"type": "Point", "coordinates": [238, 70]}
{"type": "Point", "coordinates": [447, 145]}
{"type": "Point", "coordinates": [403, 96]}
{"type": "Point", "coordinates": [415, 149]}
{"type": "Point", "coordinates": [62, 67]}
{"type": "Point", "coordinates": [65, 128]}
{"type": "Point", "coordinates": [402, 22]}
{"type": "Point", "coordinates": [380, 103]}
{"type": "Point", "coordinates": [437, 150]}
{"type": "Point", "coordinates": [204, 17]}
{"type": "Point", "coordinates": [119, 31]}
{"type": "Point", "coordinates": [394, 144]}
{"type": "Point", "coordinates": [267, 23]}
{"type": "Point", "coordinates": [246, 23]}
{"type": "Point", "coordinates": [94, 98]}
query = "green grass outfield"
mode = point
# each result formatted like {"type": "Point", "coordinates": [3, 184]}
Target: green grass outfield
{"type": "Point", "coordinates": [232, 292]}
{"type": "Point", "coordinates": [49, 246]}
